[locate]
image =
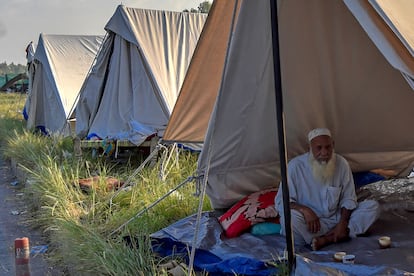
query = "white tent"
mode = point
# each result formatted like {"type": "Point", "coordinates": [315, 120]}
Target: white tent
{"type": "Point", "coordinates": [347, 65]}
{"type": "Point", "coordinates": [130, 92]}
{"type": "Point", "coordinates": [57, 71]}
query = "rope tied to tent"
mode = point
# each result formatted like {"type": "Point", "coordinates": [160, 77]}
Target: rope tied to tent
{"type": "Point", "coordinates": [199, 184]}
{"type": "Point", "coordinates": [203, 180]}
{"type": "Point", "coordinates": [145, 209]}
{"type": "Point", "coordinates": [129, 182]}
{"type": "Point", "coordinates": [165, 160]}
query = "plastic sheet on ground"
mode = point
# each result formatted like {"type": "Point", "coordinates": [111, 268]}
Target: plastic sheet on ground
{"type": "Point", "coordinates": [258, 255]}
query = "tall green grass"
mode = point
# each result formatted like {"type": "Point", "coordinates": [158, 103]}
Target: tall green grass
{"type": "Point", "coordinates": [86, 230]}
{"type": "Point", "coordinates": [11, 113]}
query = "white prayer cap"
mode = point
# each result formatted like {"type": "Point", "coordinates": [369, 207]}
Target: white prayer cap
{"type": "Point", "coordinates": [318, 132]}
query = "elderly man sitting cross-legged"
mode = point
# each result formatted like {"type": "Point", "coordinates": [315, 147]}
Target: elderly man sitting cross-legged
{"type": "Point", "coordinates": [323, 203]}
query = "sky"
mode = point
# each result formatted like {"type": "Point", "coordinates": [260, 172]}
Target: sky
{"type": "Point", "coordinates": [22, 21]}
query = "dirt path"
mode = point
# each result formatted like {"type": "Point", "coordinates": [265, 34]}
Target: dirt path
{"type": "Point", "coordinates": [13, 225]}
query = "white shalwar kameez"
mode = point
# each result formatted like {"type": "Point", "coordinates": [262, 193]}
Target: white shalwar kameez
{"type": "Point", "coordinates": [325, 199]}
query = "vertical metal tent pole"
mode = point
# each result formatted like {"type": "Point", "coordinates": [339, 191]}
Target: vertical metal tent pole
{"type": "Point", "coordinates": [281, 134]}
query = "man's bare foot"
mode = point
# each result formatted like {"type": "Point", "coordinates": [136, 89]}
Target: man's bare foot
{"type": "Point", "coordinates": [319, 242]}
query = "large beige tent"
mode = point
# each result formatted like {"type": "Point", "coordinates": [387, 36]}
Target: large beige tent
{"type": "Point", "coordinates": [56, 73]}
{"type": "Point", "coordinates": [131, 91]}
{"type": "Point", "coordinates": [347, 65]}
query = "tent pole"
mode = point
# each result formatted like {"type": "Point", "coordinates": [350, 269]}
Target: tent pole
{"type": "Point", "coordinates": [281, 134]}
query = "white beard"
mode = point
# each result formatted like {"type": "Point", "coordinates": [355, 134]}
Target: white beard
{"type": "Point", "coordinates": [323, 171]}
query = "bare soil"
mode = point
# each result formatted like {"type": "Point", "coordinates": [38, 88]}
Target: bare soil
{"type": "Point", "coordinates": [14, 224]}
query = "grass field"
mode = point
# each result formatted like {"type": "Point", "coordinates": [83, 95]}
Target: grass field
{"type": "Point", "coordinates": [86, 228]}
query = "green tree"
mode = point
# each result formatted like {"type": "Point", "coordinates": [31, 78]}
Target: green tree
{"type": "Point", "coordinates": [3, 68]}
{"type": "Point", "coordinates": [204, 7]}
{"type": "Point", "coordinates": [11, 68]}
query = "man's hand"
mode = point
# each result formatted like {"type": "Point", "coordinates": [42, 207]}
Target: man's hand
{"type": "Point", "coordinates": [311, 219]}
{"type": "Point", "coordinates": [340, 231]}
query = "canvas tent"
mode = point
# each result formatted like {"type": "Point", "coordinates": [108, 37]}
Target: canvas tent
{"type": "Point", "coordinates": [130, 92]}
{"type": "Point", "coordinates": [342, 66]}
{"type": "Point", "coordinates": [58, 69]}
{"type": "Point", "coordinates": [346, 65]}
